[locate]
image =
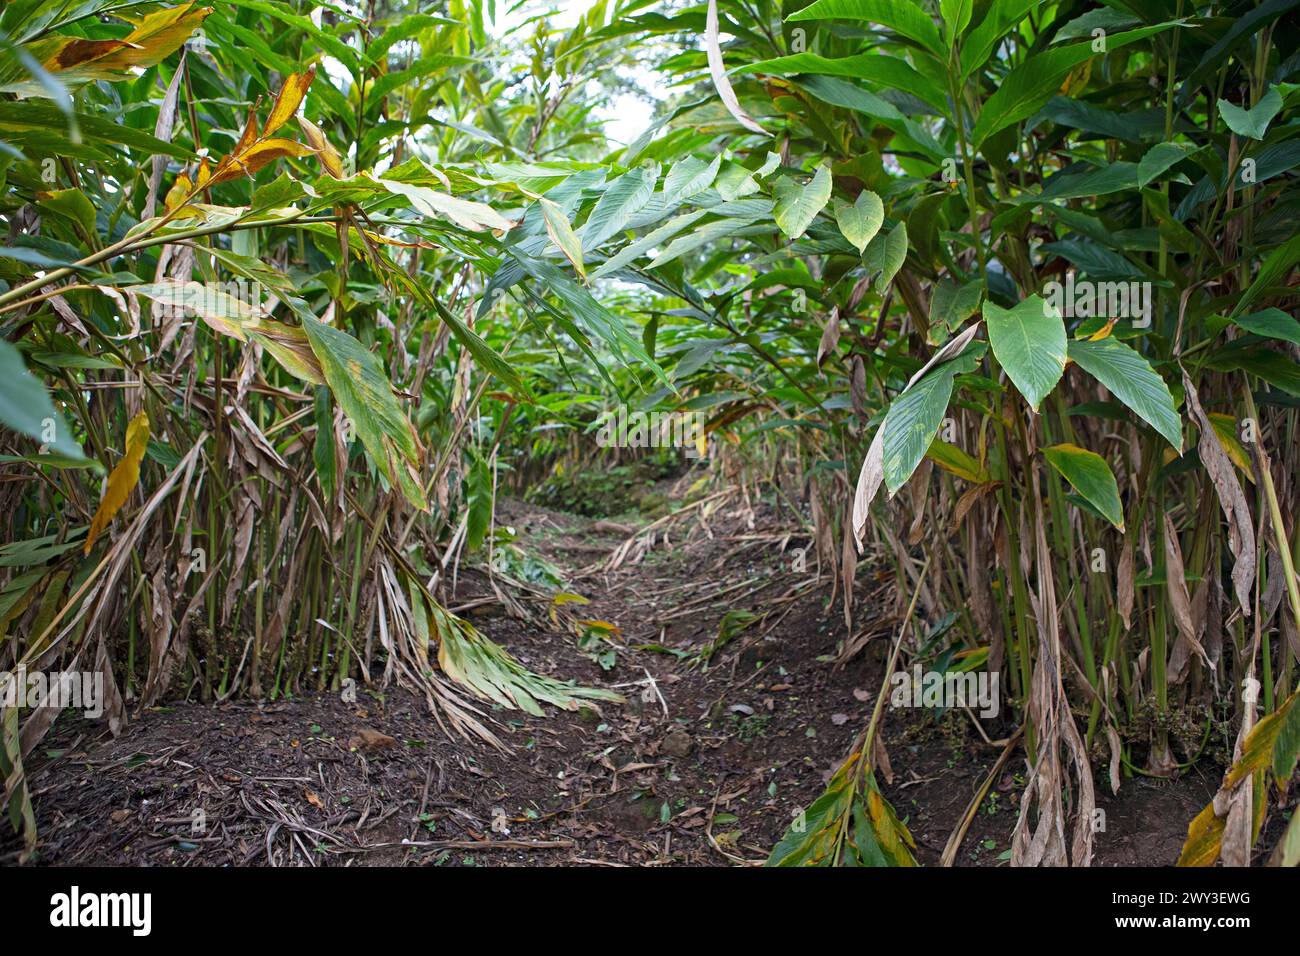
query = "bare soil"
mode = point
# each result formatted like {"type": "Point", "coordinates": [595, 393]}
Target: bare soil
{"type": "Point", "coordinates": [704, 765]}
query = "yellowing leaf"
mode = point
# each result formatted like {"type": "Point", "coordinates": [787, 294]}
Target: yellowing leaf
{"type": "Point", "coordinates": [288, 100]}
{"type": "Point", "coordinates": [122, 479]}
{"type": "Point", "coordinates": [156, 36]}
{"type": "Point", "coordinates": [289, 345]}
{"type": "Point", "coordinates": [1225, 429]}
{"type": "Point", "coordinates": [327, 154]}
{"type": "Point", "coordinates": [178, 193]}
{"type": "Point", "coordinates": [562, 234]}
{"type": "Point", "coordinates": [258, 155]}
{"type": "Point", "coordinates": [222, 312]}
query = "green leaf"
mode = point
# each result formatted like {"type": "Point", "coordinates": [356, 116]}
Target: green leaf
{"type": "Point", "coordinates": [1277, 265]}
{"type": "Point", "coordinates": [1029, 341]}
{"type": "Point", "coordinates": [623, 198]}
{"type": "Point", "coordinates": [886, 254]}
{"type": "Point", "coordinates": [323, 449]}
{"type": "Point", "coordinates": [956, 18]}
{"type": "Point", "coordinates": [951, 305]}
{"type": "Point", "coordinates": [1025, 90]}
{"type": "Point", "coordinates": [1089, 475]}
{"type": "Point", "coordinates": [913, 420]}
{"type": "Point", "coordinates": [562, 234]}
{"type": "Point", "coordinates": [26, 407]}
{"type": "Point", "coordinates": [877, 69]}
{"type": "Point", "coordinates": [690, 177]}
{"type": "Point", "coordinates": [1252, 123]}
{"type": "Point", "coordinates": [1159, 158]}
{"type": "Point", "coordinates": [1133, 381]}
{"type": "Point", "coordinates": [1271, 323]}
{"type": "Point", "coordinates": [901, 16]}
{"type": "Point", "coordinates": [979, 44]}
{"type": "Point", "coordinates": [362, 390]}
{"type": "Point", "coordinates": [797, 205]}
{"type": "Point", "coordinates": [860, 221]}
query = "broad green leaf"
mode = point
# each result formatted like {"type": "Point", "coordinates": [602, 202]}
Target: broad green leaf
{"type": "Point", "coordinates": [951, 305]}
{"type": "Point", "coordinates": [689, 178]}
{"type": "Point", "coordinates": [955, 15]}
{"type": "Point", "coordinates": [979, 44]}
{"type": "Point", "coordinates": [26, 407]}
{"type": "Point", "coordinates": [1029, 342]}
{"type": "Point", "coordinates": [1252, 123]}
{"type": "Point", "coordinates": [1133, 381]}
{"type": "Point", "coordinates": [797, 204]}
{"type": "Point", "coordinates": [1089, 475]}
{"type": "Point", "coordinates": [861, 220]}
{"type": "Point", "coordinates": [362, 390]}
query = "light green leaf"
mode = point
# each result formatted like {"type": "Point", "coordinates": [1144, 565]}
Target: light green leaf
{"type": "Point", "coordinates": [860, 221]}
{"type": "Point", "coordinates": [797, 205]}
{"type": "Point", "coordinates": [1029, 342]}
{"type": "Point", "coordinates": [623, 198]}
{"type": "Point", "coordinates": [562, 234]}
{"type": "Point", "coordinates": [1253, 122]}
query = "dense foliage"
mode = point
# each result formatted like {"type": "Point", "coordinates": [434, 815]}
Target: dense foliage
{"type": "Point", "coordinates": [293, 290]}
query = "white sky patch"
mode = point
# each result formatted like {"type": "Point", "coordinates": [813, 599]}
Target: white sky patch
{"type": "Point", "coordinates": [625, 116]}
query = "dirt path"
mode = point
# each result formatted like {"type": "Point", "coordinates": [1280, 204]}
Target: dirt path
{"type": "Point", "coordinates": [703, 765]}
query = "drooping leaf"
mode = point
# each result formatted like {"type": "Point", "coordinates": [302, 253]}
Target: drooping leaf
{"type": "Point", "coordinates": [122, 479]}
{"type": "Point", "coordinates": [1089, 475]}
{"type": "Point", "coordinates": [362, 390]}
{"type": "Point", "coordinates": [1133, 381]}
{"type": "Point", "coordinates": [562, 234]}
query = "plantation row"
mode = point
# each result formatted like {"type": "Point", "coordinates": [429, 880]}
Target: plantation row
{"type": "Point", "coordinates": [1001, 293]}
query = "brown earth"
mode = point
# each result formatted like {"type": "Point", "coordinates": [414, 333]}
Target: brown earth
{"type": "Point", "coordinates": [702, 766]}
